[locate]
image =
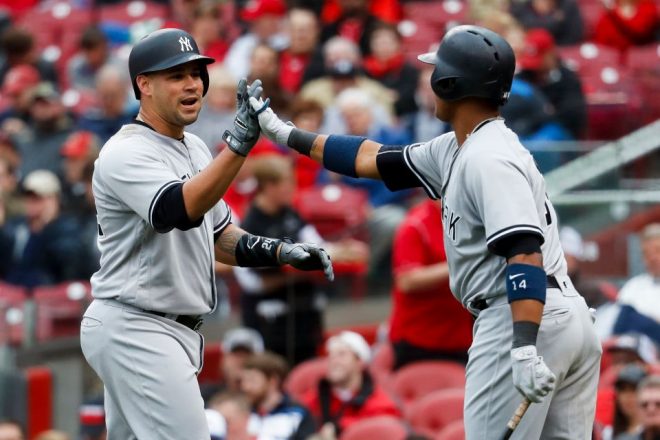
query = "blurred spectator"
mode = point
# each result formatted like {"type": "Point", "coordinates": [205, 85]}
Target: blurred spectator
{"type": "Point", "coordinates": [274, 413]}
{"type": "Point", "coordinates": [426, 321]}
{"type": "Point", "coordinates": [626, 23]}
{"type": "Point", "coordinates": [483, 10]}
{"type": "Point", "coordinates": [16, 92]}
{"type": "Point", "coordinates": [355, 23]}
{"type": "Point", "coordinates": [217, 424]}
{"type": "Point", "coordinates": [302, 60]}
{"type": "Point", "coordinates": [356, 109]}
{"type": "Point", "coordinates": [18, 48]}
{"type": "Point", "coordinates": [92, 419]}
{"type": "Point", "coordinates": [542, 66]}
{"type": "Point", "coordinates": [218, 110]}
{"type": "Point", "coordinates": [234, 407]}
{"type": "Point", "coordinates": [264, 65]}
{"type": "Point", "coordinates": [11, 430]}
{"type": "Point", "coordinates": [238, 344]}
{"type": "Point", "coordinates": [626, 410]}
{"type": "Point", "coordinates": [12, 205]}
{"type": "Point", "coordinates": [264, 18]}
{"type": "Point", "coordinates": [94, 53]}
{"type": "Point", "coordinates": [207, 30]}
{"type": "Point", "coordinates": [423, 124]}
{"type": "Point", "coordinates": [648, 398]}
{"type": "Point", "coordinates": [343, 64]}
{"type": "Point", "coordinates": [39, 143]}
{"type": "Point", "coordinates": [285, 307]}
{"type": "Point", "coordinates": [41, 248]}
{"type": "Point", "coordinates": [79, 150]}
{"type": "Point", "coordinates": [387, 65]}
{"type": "Point", "coordinates": [88, 225]}
{"type": "Point", "coordinates": [643, 291]}
{"type": "Point", "coordinates": [114, 108]}
{"type": "Point", "coordinates": [632, 348]}
{"type": "Point", "coordinates": [573, 247]}
{"type": "Point", "coordinates": [348, 393]}
{"type": "Point", "coordinates": [562, 18]}
{"type": "Point", "coordinates": [306, 115]}
{"type": "Point", "coordinates": [53, 435]}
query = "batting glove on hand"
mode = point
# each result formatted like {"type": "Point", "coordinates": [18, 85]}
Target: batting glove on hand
{"type": "Point", "coordinates": [246, 126]}
{"type": "Point", "coordinates": [306, 256]}
{"type": "Point", "coordinates": [272, 126]}
{"type": "Point", "coordinates": [531, 376]}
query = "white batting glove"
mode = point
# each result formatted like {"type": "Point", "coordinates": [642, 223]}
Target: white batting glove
{"type": "Point", "coordinates": [531, 376]}
{"type": "Point", "coordinates": [272, 126]}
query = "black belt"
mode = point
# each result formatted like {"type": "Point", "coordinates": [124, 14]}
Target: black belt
{"type": "Point", "coordinates": [193, 322]}
{"type": "Point", "coordinates": [482, 304]}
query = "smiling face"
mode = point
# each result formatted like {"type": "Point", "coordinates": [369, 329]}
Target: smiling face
{"type": "Point", "coordinates": [174, 95]}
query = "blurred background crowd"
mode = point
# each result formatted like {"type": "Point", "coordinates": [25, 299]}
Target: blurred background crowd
{"type": "Point", "coordinates": [381, 351]}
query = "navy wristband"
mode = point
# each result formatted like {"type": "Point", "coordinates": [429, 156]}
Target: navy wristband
{"type": "Point", "coordinates": [339, 153]}
{"type": "Point", "coordinates": [524, 281]}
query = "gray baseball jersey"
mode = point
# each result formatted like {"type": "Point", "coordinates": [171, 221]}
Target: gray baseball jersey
{"type": "Point", "coordinates": [490, 188]}
{"type": "Point", "coordinates": [166, 271]}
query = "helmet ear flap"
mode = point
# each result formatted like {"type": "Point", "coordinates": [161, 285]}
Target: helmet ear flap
{"type": "Point", "coordinates": [204, 74]}
{"type": "Point", "coordinates": [444, 88]}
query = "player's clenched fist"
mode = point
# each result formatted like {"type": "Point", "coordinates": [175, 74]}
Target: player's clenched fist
{"type": "Point", "coordinates": [246, 127]}
{"type": "Point", "coordinates": [531, 376]}
{"type": "Point", "coordinates": [306, 256]}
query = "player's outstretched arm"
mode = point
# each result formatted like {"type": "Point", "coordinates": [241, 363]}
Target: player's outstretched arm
{"type": "Point", "coordinates": [204, 190]}
{"type": "Point", "coordinates": [348, 155]}
{"type": "Point", "coordinates": [239, 248]}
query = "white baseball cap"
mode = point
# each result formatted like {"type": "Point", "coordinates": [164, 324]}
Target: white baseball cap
{"type": "Point", "coordinates": [243, 337]}
{"type": "Point", "coordinates": [42, 183]}
{"type": "Point", "coordinates": [354, 341]}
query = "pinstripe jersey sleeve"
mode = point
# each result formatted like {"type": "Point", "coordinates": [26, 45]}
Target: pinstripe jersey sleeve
{"type": "Point", "coordinates": [221, 216]}
{"type": "Point", "coordinates": [430, 162]}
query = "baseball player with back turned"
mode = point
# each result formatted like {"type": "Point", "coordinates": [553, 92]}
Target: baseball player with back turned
{"type": "Point", "coordinates": [533, 335]}
{"type": "Point", "coordinates": [161, 224]}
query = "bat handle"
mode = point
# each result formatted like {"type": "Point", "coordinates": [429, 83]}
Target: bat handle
{"type": "Point", "coordinates": [518, 414]}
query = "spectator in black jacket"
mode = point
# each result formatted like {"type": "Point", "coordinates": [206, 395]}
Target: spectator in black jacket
{"type": "Point", "coordinates": [387, 64]}
{"type": "Point", "coordinates": [562, 18]}
{"type": "Point", "coordinates": [355, 23]}
{"type": "Point", "coordinates": [542, 66]}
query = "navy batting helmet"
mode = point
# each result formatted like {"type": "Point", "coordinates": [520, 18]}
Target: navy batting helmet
{"type": "Point", "coordinates": [472, 61]}
{"type": "Point", "coordinates": [163, 49]}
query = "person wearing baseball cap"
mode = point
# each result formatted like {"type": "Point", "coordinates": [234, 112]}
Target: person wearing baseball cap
{"type": "Point", "coordinates": [348, 393]}
{"type": "Point", "coordinates": [237, 346]}
{"type": "Point", "coordinates": [16, 88]}
{"type": "Point", "coordinates": [265, 20]}
{"type": "Point", "coordinates": [542, 66]}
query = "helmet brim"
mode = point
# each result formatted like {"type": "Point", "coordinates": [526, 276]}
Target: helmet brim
{"type": "Point", "coordinates": [428, 58]}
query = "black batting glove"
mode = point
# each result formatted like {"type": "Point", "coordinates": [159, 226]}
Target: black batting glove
{"type": "Point", "coordinates": [306, 256]}
{"type": "Point", "coordinates": [246, 125]}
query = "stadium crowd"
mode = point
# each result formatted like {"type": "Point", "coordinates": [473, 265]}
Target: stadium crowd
{"type": "Point", "coordinates": [586, 70]}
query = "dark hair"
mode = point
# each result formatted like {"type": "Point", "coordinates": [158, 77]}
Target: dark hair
{"type": "Point", "coordinates": [206, 8]}
{"type": "Point", "coordinates": [16, 41]}
{"type": "Point", "coordinates": [621, 423]}
{"type": "Point", "coordinates": [270, 364]}
{"type": "Point", "coordinates": [92, 38]}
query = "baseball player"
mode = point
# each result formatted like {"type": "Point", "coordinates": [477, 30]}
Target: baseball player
{"type": "Point", "coordinates": [533, 335]}
{"type": "Point", "coordinates": [161, 225]}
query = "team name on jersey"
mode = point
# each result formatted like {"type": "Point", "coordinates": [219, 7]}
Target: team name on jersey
{"type": "Point", "coordinates": [449, 221]}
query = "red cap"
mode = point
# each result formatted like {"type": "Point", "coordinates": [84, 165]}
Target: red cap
{"type": "Point", "coordinates": [20, 78]}
{"type": "Point", "coordinates": [78, 145]}
{"type": "Point", "coordinates": [255, 9]}
{"type": "Point", "coordinates": [538, 42]}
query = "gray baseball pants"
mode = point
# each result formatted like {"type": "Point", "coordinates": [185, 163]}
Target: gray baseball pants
{"type": "Point", "coordinates": [569, 346]}
{"type": "Point", "coordinates": [149, 367]}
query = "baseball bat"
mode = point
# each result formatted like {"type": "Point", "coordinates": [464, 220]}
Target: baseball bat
{"type": "Point", "coordinates": [515, 419]}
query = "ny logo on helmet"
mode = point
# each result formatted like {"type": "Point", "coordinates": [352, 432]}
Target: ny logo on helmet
{"type": "Point", "coordinates": [185, 44]}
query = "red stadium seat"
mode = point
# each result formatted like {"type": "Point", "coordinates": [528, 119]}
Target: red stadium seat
{"type": "Point", "coordinates": [433, 412]}
{"type": "Point", "coordinates": [133, 11]}
{"type": "Point", "coordinates": [12, 299]}
{"type": "Point", "coordinates": [453, 431]}
{"type": "Point", "coordinates": [51, 23]}
{"type": "Point", "coordinates": [212, 369]}
{"type": "Point", "coordinates": [333, 209]}
{"type": "Point", "coordinates": [416, 380]}
{"type": "Point", "coordinates": [381, 428]}
{"type": "Point", "coordinates": [644, 63]}
{"type": "Point", "coordinates": [60, 308]}
{"type": "Point", "coordinates": [305, 376]}
{"type": "Point", "coordinates": [444, 14]}
{"type": "Point", "coordinates": [605, 406]}
{"type": "Point", "coordinates": [382, 363]}
{"type": "Point", "coordinates": [588, 59]}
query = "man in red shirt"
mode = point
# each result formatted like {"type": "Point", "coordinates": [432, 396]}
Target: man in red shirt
{"type": "Point", "coordinates": [427, 322]}
{"type": "Point", "coordinates": [347, 394]}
